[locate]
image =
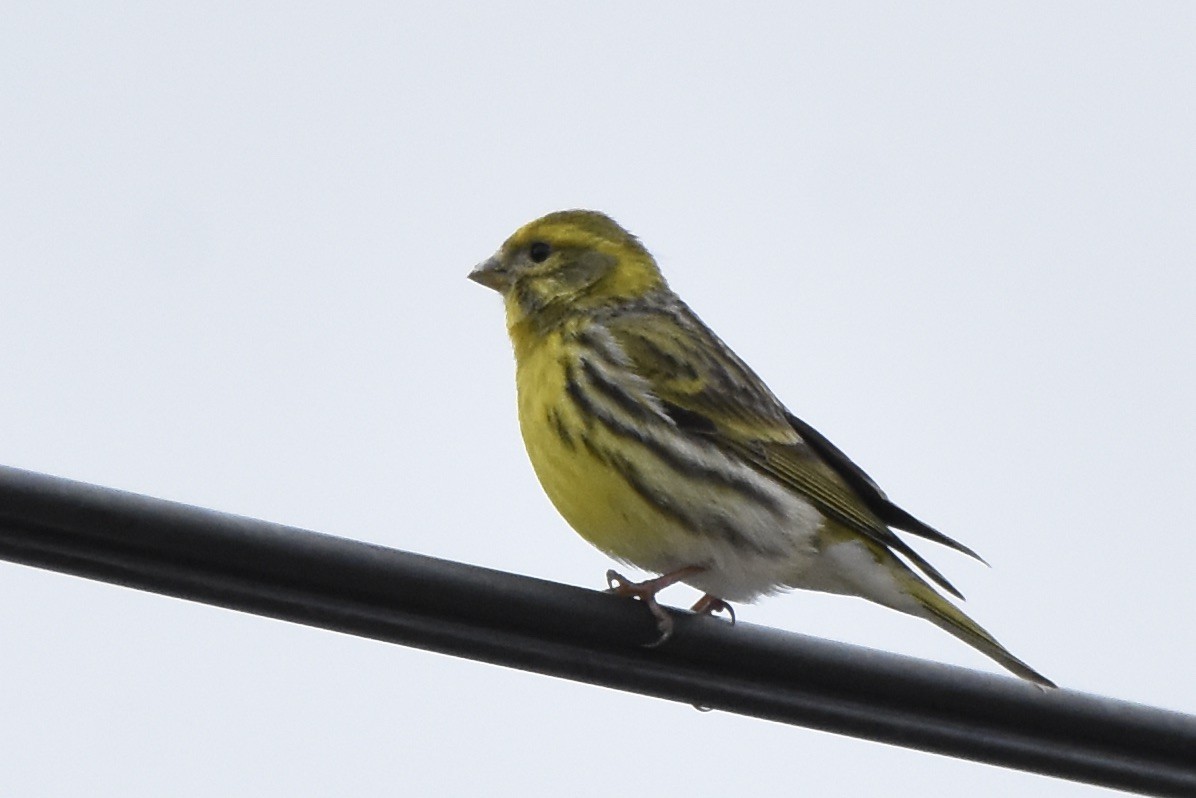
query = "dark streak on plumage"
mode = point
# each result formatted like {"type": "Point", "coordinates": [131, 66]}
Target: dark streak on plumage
{"type": "Point", "coordinates": [601, 346]}
{"type": "Point", "coordinates": [642, 412]}
{"type": "Point", "coordinates": [667, 506]}
{"type": "Point", "coordinates": [675, 460]}
{"type": "Point", "coordinates": [557, 423]}
{"type": "Point", "coordinates": [689, 421]}
{"type": "Point", "coordinates": [676, 364]}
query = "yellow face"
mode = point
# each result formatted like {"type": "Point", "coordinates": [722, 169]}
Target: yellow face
{"type": "Point", "coordinates": [568, 260]}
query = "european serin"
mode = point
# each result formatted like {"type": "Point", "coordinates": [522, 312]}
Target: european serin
{"type": "Point", "coordinates": [664, 450]}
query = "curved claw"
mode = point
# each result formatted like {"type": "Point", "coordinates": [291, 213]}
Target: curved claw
{"type": "Point", "coordinates": [616, 582]}
{"type": "Point", "coordinates": [646, 592]}
{"type": "Point", "coordinates": [710, 604]}
{"type": "Point", "coordinates": [664, 622]}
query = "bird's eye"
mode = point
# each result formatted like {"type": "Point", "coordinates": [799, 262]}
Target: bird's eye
{"type": "Point", "coordinates": [539, 251]}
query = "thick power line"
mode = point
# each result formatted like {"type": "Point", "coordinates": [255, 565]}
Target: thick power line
{"type": "Point", "coordinates": [372, 591]}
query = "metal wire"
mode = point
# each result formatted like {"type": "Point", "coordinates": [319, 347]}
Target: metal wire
{"type": "Point", "coordinates": [372, 591]}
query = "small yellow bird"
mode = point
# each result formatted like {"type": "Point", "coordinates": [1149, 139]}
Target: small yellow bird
{"type": "Point", "coordinates": [663, 449]}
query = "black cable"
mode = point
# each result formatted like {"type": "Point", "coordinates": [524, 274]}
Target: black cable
{"type": "Point", "coordinates": [372, 591]}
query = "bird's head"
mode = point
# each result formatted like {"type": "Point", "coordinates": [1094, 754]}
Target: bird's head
{"type": "Point", "coordinates": [568, 261]}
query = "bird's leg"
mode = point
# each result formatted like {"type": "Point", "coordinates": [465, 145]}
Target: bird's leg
{"type": "Point", "coordinates": [646, 592]}
{"type": "Point", "coordinates": [710, 604]}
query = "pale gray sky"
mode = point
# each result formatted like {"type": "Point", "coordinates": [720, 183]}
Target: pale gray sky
{"type": "Point", "coordinates": [957, 239]}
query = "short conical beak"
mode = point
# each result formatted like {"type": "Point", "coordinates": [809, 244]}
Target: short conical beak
{"type": "Point", "coordinates": [492, 274]}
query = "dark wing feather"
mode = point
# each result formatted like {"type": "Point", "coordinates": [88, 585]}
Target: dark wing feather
{"type": "Point", "coordinates": [870, 492]}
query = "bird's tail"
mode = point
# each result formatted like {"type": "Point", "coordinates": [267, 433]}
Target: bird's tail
{"type": "Point", "coordinates": [866, 568]}
{"type": "Point", "coordinates": [863, 567]}
{"type": "Point", "coordinates": [946, 615]}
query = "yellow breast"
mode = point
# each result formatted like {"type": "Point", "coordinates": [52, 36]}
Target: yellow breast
{"type": "Point", "coordinates": [562, 444]}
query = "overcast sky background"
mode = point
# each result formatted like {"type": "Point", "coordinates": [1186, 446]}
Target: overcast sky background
{"type": "Point", "coordinates": [233, 241]}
